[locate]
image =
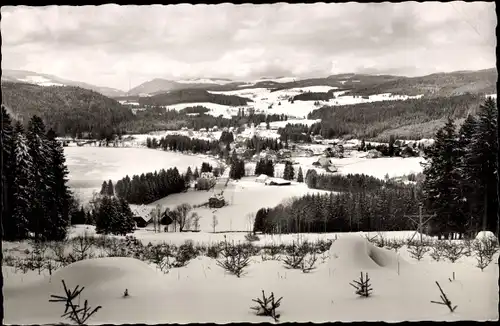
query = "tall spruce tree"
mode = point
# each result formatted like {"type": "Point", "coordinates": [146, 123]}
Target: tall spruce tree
{"type": "Point", "coordinates": [288, 173]}
{"type": "Point", "coordinates": [6, 141]}
{"type": "Point", "coordinates": [442, 181]}
{"type": "Point", "coordinates": [110, 188]}
{"type": "Point", "coordinates": [61, 197]}
{"type": "Point", "coordinates": [38, 150]}
{"type": "Point", "coordinates": [300, 175]}
{"type": "Point", "coordinates": [22, 189]}
{"type": "Point", "coordinates": [471, 208]}
{"type": "Point", "coordinates": [482, 161]}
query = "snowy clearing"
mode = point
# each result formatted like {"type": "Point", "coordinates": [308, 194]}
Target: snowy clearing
{"type": "Point", "coordinates": [402, 289]}
{"type": "Point", "coordinates": [89, 166]}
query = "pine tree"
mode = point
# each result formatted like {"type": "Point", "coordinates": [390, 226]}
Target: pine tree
{"type": "Point", "coordinates": [196, 173]}
{"type": "Point", "coordinates": [442, 180]}
{"type": "Point", "coordinates": [41, 162]}
{"type": "Point", "coordinates": [110, 188]}
{"type": "Point", "coordinates": [60, 199]}
{"type": "Point", "coordinates": [289, 173]}
{"type": "Point", "coordinates": [104, 188]}
{"type": "Point", "coordinates": [189, 175]}
{"type": "Point", "coordinates": [300, 176]}
{"type": "Point", "coordinates": [482, 162]}
{"type": "Point", "coordinates": [22, 189]}
{"type": "Point", "coordinates": [6, 160]}
{"type": "Point", "coordinates": [470, 207]}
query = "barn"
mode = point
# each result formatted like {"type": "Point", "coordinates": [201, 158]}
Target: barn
{"type": "Point", "coordinates": [142, 215]}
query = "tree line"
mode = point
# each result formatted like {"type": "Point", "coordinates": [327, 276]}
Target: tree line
{"type": "Point", "coordinates": [180, 143]}
{"type": "Point", "coordinates": [37, 202]}
{"type": "Point", "coordinates": [380, 209]}
{"type": "Point", "coordinates": [461, 174]}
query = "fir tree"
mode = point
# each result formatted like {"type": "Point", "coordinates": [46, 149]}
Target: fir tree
{"type": "Point", "coordinates": [6, 160]}
{"type": "Point", "coordinates": [300, 176]}
{"type": "Point", "coordinates": [22, 188]}
{"type": "Point", "coordinates": [483, 166]}
{"type": "Point", "coordinates": [470, 207]}
{"type": "Point", "coordinates": [442, 181]}
{"type": "Point", "coordinates": [110, 188]}
{"type": "Point", "coordinates": [289, 173]}
{"type": "Point", "coordinates": [104, 188]}
{"type": "Point", "coordinates": [60, 199]}
{"type": "Point", "coordinates": [196, 173]}
{"type": "Point", "coordinates": [41, 162]}
{"type": "Point", "coordinates": [189, 175]}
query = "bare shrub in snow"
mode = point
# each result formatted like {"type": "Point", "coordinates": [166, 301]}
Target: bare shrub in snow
{"type": "Point", "coordinates": [417, 250]}
{"type": "Point", "coordinates": [272, 253]}
{"type": "Point", "coordinates": [438, 250]}
{"type": "Point", "coordinates": [73, 311]}
{"type": "Point", "coordinates": [363, 286]}
{"type": "Point", "coordinates": [394, 244]}
{"type": "Point", "coordinates": [296, 257]}
{"type": "Point", "coordinates": [453, 251]}
{"type": "Point", "coordinates": [484, 249]}
{"type": "Point", "coordinates": [322, 246]}
{"type": "Point", "coordinates": [251, 237]}
{"type": "Point", "coordinates": [185, 253]}
{"type": "Point", "coordinates": [37, 259]}
{"type": "Point", "coordinates": [235, 259]}
{"type": "Point", "coordinates": [82, 248]}
{"type": "Point", "coordinates": [468, 248]}
{"type": "Point", "coordinates": [444, 300]}
{"type": "Point", "coordinates": [267, 306]}
{"type": "Point", "coordinates": [213, 251]}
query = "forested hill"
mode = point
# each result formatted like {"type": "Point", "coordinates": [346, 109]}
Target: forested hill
{"type": "Point", "coordinates": [413, 119]}
{"type": "Point", "coordinates": [193, 96]}
{"type": "Point", "coordinates": [68, 110]}
{"type": "Point", "coordinates": [434, 85]}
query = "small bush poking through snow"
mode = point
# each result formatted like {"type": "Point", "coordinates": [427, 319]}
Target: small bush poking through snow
{"type": "Point", "coordinates": [251, 237]}
{"type": "Point", "coordinates": [267, 306]}
{"type": "Point", "coordinates": [73, 311]}
{"type": "Point", "coordinates": [453, 251]}
{"type": "Point", "coordinates": [484, 248]}
{"type": "Point", "coordinates": [213, 251]}
{"type": "Point", "coordinates": [363, 286]}
{"type": "Point", "coordinates": [444, 300]}
{"type": "Point", "coordinates": [394, 244]}
{"type": "Point", "coordinates": [417, 250]}
{"type": "Point", "coordinates": [296, 255]}
{"type": "Point", "coordinates": [235, 260]}
{"type": "Point", "coordinates": [438, 250]}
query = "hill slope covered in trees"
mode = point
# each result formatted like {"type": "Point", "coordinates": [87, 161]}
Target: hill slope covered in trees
{"type": "Point", "coordinates": [369, 120]}
{"type": "Point", "coordinates": [68, 110]}
{"type": "Point", "coordinates": [193, 96]}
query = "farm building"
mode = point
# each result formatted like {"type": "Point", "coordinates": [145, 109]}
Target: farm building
{"type": "Point", "coordinates": [277, 182]}
{"type": "Point", "coordinates": [142, 215]}
{"type": "Point", "coordinates": [216, 201]}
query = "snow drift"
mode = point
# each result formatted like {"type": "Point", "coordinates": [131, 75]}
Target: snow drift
{"type": "Point", "coordinates": [354, 252]}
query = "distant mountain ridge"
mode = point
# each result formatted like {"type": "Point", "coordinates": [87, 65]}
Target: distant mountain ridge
{"type": "Point", "coordinates": [31, 77]}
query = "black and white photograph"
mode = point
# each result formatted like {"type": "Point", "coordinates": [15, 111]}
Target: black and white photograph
{"type": "Point", "coordinates": [262, 163]}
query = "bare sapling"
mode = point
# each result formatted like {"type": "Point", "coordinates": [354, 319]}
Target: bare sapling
{"type": "Point", "coordinates": [235, 259]}
{"type": "Point", "coordinates": [453, 251]}
{"type": "Point", "coordinates": [267, 306]}
{"type": "Point", "coordinates": [484, 249]}
{"type": "Point", "coordinates": [417, 250]}
{"type": "Point", "coordinates": [363, 286]}
{"type": "Point", "coordinates": [73, 311]}
{"type": "Point", "coordinates": [444, 300]}
{"type": "Point", "coordinates": [82, 247]}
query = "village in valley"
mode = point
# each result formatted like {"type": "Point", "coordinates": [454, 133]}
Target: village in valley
{"type": "Point", "coordinates": [373, 186]}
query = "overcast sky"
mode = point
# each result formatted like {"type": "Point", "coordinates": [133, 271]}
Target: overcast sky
{"type": "Point", "coordinates": [107, 45]}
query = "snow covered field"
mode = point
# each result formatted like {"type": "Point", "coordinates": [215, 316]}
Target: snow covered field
{"type": "Point", "coordinates": [89, 166]}
{"type": "Point", "coordinates": [202, 291]}
{"type": "Point", "coordinates": [277, 102]}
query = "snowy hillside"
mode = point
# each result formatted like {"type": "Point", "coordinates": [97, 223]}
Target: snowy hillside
{"type": "Point", "coordinates": [50, 80]}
